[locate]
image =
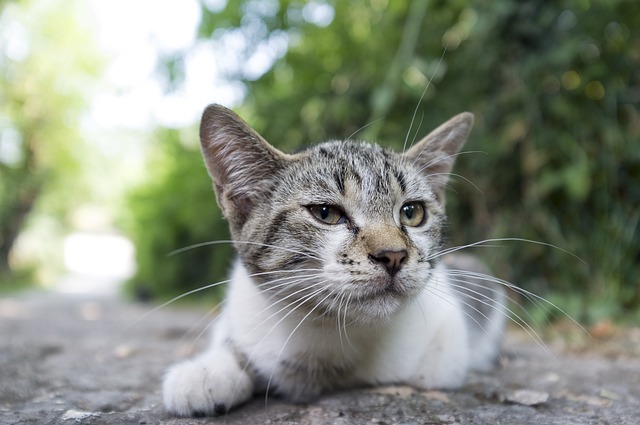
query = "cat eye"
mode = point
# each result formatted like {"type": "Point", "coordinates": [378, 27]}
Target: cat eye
{"type": "Point", "coordinates": [328, 214]}
{"type": "Point", "coordinates": [412, 214]}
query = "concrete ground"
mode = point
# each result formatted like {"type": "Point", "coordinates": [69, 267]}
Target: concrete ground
{"type": "Point", "coordinates": [79, 359]}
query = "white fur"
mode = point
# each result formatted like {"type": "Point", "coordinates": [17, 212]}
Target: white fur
{"type": "Point", "coordinates": [424, 345]}
{"type": "Point", "coordinates": [486, 344]}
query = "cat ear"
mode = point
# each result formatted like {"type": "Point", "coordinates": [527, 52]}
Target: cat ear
{"type": "Point", "coordinates": [238, 159]}
{"type": "Point", "coordinates": [435, 154]}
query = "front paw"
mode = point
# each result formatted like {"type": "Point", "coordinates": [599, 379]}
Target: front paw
{"type": "Point", "coordinates": [207, 386]}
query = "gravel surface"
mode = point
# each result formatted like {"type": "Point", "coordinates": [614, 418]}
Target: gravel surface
{"type": "Point", "coordinates": [70, 359]}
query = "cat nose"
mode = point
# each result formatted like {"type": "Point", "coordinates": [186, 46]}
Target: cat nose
{"type": "Point", "coordinates": [391, 260]}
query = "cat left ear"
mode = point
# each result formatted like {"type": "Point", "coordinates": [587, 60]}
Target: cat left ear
{"type": "Point", "coordinates": [239, 161]}
{"type": "Point", "coordinates": [435, 154]}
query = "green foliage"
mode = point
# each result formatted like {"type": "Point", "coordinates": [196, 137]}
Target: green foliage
{"type": "Point", "coordinates": [45, 77]}
{"type": "Point", "coordinates": [176, 209]}
{"type": "Point", "coordinates": [559, 108]}
{"type": "Point", "coordinates": [554, 87]}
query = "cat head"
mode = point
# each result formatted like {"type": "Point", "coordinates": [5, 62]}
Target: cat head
{"type": "Point", "coordinates": [343, 227]}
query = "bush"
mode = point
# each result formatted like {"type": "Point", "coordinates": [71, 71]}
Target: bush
{"type": "Point", "coordinates": [175, 209]}
{"type": "Point", "coordinates": [554, 87]}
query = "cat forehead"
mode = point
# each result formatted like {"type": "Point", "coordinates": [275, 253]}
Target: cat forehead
{"type": "Point", "coordinates": [349, 154]}
{"type": "Point", "coordinates": [345, 148]}
{"type": "Point", "coordinates": [370, 171]}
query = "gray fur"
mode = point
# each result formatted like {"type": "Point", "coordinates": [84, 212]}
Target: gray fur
{"type": "Point", "coordinates": [263, 193]}
{"type": "Point", "coordinates": [344, 239]}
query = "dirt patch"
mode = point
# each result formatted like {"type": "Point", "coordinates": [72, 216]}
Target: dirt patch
{"type": "Point", "coordinates": [75, 360]}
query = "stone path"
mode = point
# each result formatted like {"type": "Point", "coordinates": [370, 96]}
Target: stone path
{"type": "Point", "coordinates": [76, 360]}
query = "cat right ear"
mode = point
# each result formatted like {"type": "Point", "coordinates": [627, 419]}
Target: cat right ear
{"type": "Point", "coordinates": [436, 152]}
{"type": "Point", "coordinates": [239, 161]}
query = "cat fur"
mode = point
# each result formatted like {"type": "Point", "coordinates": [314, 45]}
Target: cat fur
{"type": "Point", "coordinates": [314, 307]}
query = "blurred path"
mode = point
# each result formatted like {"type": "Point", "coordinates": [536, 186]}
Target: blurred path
{"type": "Point", "coordinates": [87, 359]}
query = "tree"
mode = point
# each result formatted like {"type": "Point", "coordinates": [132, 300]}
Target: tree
{"type": "Point", "coordinates": [554, 90]}
{"type": "Point", "coordinates": [47, 72]}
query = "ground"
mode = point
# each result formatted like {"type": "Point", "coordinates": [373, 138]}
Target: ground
{"type": "Point", "coordinates": [79, 359]}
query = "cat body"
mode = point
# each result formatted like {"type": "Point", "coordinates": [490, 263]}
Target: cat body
{"type": "Point", "coordinates": [340, 280]}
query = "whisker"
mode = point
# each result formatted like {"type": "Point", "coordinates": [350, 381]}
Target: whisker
{"type": "Point", "coordinates": [520, 322]}
{"type": "Point", "coordinates": [194, 291]}
{"type": "Point", "coordinates": [462, 289]}
{"type": "Point", "coordinates": [331, 293]}
{"type": "Point", "coordinates": [442, 294]}
{"type": "Point", "coordinates": [415, 134]}
{"type": "Point", "coordinates": [438, 159]}
{"type": "Point", "coordinates": [286, 279]}
{"type": "Point", "coordinates": [488, 278]}
{"type": "Point", "coordinates": [174, 299]}
{"type": "Point", "coordinates": [455, 287]}
{"type": "Point", "coordinates": [306, 288]}
{"type": "Point", "coordinates": [221, 242]}
{"type": "Point", "coordinates": [295, 304]}
{"type": "Point", "coordinates": [344, 323]}
{"type": "Point", "coordinates": [458, 274]}
{"type": "Point", "coordinates": [534, 298]}
{"type": "Point", "coordinates": [460, 176]}
{"type": "Point", "coordinates": [338, 319]}
{"type": "Point", "coordinates": [450, 250]}
{"type": "Point", "coordinates": [343, 301]}
{"type": "Point", "coordinates": [280, 288]}
{"type": "Point", "coordinates": [424, 92]}
{"type": "Point", "coordinates": [207, 315]}
{"type": "Point", "coordinates": [449, 174]}
{"type": "Point", "coordinates": [421, 307]}
{"type": "Point", "coordinates": [485, 242]}
{"type": "Point", "coordinates": [299, 302]}
{"type": "Point", "coordinates": [363, 127]}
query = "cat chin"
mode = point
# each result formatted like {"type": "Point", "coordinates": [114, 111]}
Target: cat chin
{"type": "Point", "coordinates": [375, 310]}
{"type": "Point", "coordinates": [373, 301]}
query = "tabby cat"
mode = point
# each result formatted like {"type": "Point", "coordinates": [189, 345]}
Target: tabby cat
{"type": "Point", "coordinates": [341, 278]}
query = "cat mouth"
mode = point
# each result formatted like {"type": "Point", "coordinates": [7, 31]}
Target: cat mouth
{"type": "Point", "coordinates": [385, 288]}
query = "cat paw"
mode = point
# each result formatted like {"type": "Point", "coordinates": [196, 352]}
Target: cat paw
{"type": "Point", "coordinates": [206, 386]}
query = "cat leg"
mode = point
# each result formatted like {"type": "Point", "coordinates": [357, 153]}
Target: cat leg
{"type": "Point", "coordinates": [210, 384]}
{"type": "Point", "coordinates": [445, 366]}
{"type": "Point", "coordinates": [444, 357]}
{"type": "Point", "coordinates": [483, 299]}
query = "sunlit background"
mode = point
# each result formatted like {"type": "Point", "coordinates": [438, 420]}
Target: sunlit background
{"type": "Point", "coordinates": [123, 96]}
{"type": "Point", "coordinates": [101, 178]}
{"type": "Point", "coordinates": [106, 62]}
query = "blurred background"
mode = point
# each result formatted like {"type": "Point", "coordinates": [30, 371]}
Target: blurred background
{"type": "Point", "coordinates": [101, 176]}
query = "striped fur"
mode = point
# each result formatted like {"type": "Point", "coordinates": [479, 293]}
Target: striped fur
{"type": "Point", "coordinates": [314, 306]}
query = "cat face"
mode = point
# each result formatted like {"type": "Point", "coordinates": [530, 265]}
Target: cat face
{"type": "Point", "coordinates": [344, 228]}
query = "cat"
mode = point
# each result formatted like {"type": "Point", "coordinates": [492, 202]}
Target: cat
{"type": "Point", "coordinates": [341, 279]}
